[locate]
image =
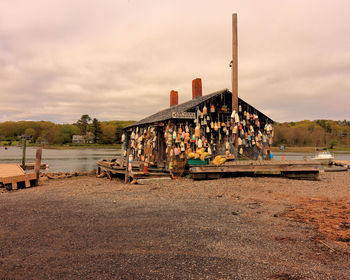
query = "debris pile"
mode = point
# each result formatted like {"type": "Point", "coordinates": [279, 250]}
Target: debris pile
{"type": "Point", "coordinates": [63, 175]}
{"type": "Point", "coordinates": [332, 217]}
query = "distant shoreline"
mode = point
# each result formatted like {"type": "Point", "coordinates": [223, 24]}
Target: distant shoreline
{"type": "Point", "coordinates": [309, 150]}
{"type": "Point", "coordinates": [71, 146]}
{"type": "Point", "coordinates": [118, 146]}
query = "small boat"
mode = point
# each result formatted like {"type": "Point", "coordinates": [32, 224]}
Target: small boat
{"type": "Point", "coordinates": [323, 156]}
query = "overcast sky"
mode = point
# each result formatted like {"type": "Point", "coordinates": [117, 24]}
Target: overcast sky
{"type": "Point", "coordinates": [118, 60]}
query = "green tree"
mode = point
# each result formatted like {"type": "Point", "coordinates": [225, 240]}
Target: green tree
{"type": "Point", "coordinates": [64, 133]}
{"type": "Point", "coordinates": [118, 134]}
{"type": "Point", "coordinates": [83, 123]}
{"type": "Point", "coordinates": [30, 132]}
{"type": "Point", "coordinates": [108, 133]}
{"type": "Point", "coordinates": [333, 143]}
{"type": "Point", "coordinates": [96, 130]}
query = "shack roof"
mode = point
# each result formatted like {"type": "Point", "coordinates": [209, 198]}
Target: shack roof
{"type": "Point", "coordinates": [167, 113]}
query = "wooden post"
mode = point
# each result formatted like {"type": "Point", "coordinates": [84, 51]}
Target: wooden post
{"type": "Point", "coordinates": [24, 143]}
{"type": "Point", "coordinates": [122, 155]}
{"type": "Point", "coordinates": [235, 74]}
{"type": "Point", "coordinates": [234, 64]}
{"type": "Point", "coordinates": [159, 153]}
{"type": "Point", "coordinates": [127, 166]}
{"type": "Point", "coordinates": [37, 164]}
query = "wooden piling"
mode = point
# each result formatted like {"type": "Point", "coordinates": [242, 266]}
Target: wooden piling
{"type": "Point", "coordinates": [127, 166]}
{"type": "Point", "coordinates": [37, 164]}
{"type": "Point", "coordinates": [24, 144]}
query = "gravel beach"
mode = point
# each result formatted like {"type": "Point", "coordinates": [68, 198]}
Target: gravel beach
{"type": "Point", "coordinates": [232, 228]}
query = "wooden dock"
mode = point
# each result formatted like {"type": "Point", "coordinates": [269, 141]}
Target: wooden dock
{"type": "Point", "coordinates": [115, 168]}
{"type": "Point", "coordinates": [300, 169]}
{"type": "Point", "coordinates": [12, 176]}
{"type": "Point", "coordinates": [31, 165]}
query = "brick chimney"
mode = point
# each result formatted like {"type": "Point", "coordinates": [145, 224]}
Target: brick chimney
{"type": "Point", "coordinates": [196, 88]}
{"type": "Point", "coordinates": [174, 98]}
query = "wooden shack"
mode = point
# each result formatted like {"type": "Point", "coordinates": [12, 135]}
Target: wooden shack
{"type": "Point", "coordinates": [199, 130]}
{"type": "Point", "coordinates": [200, 135]}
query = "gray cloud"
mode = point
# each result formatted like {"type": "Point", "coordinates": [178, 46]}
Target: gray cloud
{"type": "Point", "coordinates": [120, 59]}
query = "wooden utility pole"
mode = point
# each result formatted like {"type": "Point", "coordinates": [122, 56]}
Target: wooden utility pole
{"type": "Point", "coordinates": [37, 164]}
{"type": "Point", "coordinates": [234, 64]}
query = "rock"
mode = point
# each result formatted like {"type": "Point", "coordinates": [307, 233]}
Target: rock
{"type": "Point", "coordinates": [234, 213]}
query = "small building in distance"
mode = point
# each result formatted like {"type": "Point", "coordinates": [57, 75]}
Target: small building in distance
{"type": "Point", "coordinates": [205, 124]}
{"type": "Point", "coordinates": [78, 139]}
{"type": "Point", "coordinates": [83, 139]}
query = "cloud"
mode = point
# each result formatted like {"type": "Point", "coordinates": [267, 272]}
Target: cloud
{"type": "Point", "coordinates": [120, 59]}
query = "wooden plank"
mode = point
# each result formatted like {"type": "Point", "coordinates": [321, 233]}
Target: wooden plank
{"type": "Point", "coordinates": [121, 170]}
{"type": "Point", "coordinates": [273, 163]}
{"type": "Point", "coordinates": [10, 179]}
{"type": "Point", "coordinates": [7, 170]}
{"type": "Point", "coordinates": [302, 175]}
{"type": "Point", "coordinates": [30, 166]}
{"type": "Point", "coordinates": [253, 168]}
{"type": "Point", "coordinates": [14, 185]}
{"type": "Point", "coordinates": [31, 176]}
{"type": "Point", "coordinates": [136, 174]}
{"type": "Point", "coordinates": [14, 180]}
{"type": "Point", "coordinates": [27, 182]}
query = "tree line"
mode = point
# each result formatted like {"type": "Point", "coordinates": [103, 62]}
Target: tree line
{"type": "Point", "coordinates": [105, 132]}
{"type": "Point", "coordinates": [318, 133]}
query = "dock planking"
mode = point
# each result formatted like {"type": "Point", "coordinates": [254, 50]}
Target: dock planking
{"type": "Point", "coordinates": [290, 168]}
{"type": "Point", "coordinates": [116, 167]}
{"type": "Point", "coordinates": [12, 174]}
{"type": "Point", "coordinates": [296, 169]}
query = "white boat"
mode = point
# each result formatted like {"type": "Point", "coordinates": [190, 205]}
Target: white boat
{"type": "Point", "coordinates": [323, 156]}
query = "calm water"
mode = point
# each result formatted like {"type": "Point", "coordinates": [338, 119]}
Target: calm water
{"type": "Point", "coordinates": [85, 159]}
{"type": "Point", "coordinates": [60, 160]}
{"type": "Point", "coordinates": [300, 156]}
